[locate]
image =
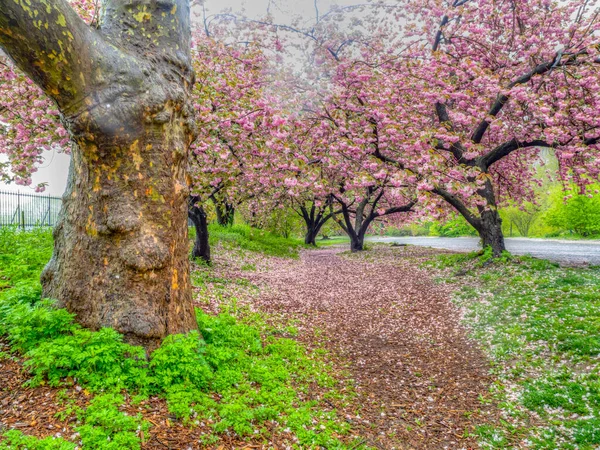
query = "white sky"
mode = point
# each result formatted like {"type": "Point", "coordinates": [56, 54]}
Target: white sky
{"type": "Point", "coordinates": [55, 167]}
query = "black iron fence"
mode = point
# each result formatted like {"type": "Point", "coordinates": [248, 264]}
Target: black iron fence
{"type": "Point", "coordinates": [28, 210]}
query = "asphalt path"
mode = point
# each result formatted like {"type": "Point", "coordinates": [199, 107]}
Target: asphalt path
{"type": "Point", "coordinates": [558, 250]}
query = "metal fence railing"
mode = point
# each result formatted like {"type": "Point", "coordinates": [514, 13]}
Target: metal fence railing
{"type": "Point", "coordinates": [28, 210]}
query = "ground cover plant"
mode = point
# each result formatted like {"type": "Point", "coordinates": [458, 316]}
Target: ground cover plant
{"type": "Point", "coordinates": [540, 325]}
{"type": "Point", "coordinates": [236, 372]}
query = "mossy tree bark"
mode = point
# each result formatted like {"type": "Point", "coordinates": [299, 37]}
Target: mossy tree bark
{"type": "Point", "coordinates": [121, 250]}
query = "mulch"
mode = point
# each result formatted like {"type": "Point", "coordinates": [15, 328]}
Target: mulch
{"type": "Point", "coordinates": [418, 377]}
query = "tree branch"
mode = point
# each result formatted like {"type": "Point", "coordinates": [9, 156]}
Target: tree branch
{"type": "Point", "coordinates": [459, 206]}
{"type": "Point", "coordinates": [50, 43]}
{"type": "Point", "coordinates": [456, 149]}
{"type": "Point", "coordinates": [505, 149]}
{"type": "Point", "coordinates": [502, 99]}
{"type": "Point", "coordinates": [397, 209]}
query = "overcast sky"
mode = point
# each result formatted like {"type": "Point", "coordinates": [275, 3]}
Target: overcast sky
{"type": "Point", "coordinates": [55, 167]}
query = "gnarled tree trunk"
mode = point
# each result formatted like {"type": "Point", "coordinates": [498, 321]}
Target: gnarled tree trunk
{"type": "Point", "coordinates": [489, 225]}
{"type": "Point", "coordinates": [197, 215]}
{"type": "Point", "coordinates": [121, 250]}
{"type": "Point", "coordinates": [491, 232]}
{"type": "Point", "coordinates": [357, 242]}
{"type": "Point", "coordinates": [366, 212]}
{"type": "Point", "coordinates": [310, 238]}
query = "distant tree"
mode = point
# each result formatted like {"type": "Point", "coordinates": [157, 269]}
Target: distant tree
{"type": "Point", "coordinates": [579, 213]}
{"type": "Point", "coordinates": [524, 217]}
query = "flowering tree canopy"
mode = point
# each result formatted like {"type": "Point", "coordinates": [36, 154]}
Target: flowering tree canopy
{"type": "Point", "coordinates": [443, 102]}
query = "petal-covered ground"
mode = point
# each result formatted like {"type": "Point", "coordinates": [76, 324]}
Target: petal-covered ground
{"type": "Point", "coordinates": [420, 380]}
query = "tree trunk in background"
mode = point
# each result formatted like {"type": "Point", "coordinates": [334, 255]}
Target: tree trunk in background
{"type": "Point", "coordinates": [314, 228]}
{"type": "Point", "coordinates": [357, 242]}
{"type": "Point", "coordinates": [201, 248]}
{"type": "Point", "coordinates": [491, 232]}
{"type": "Point", "coordinates": [121, 244]}
{"type": "Point", "coordinates": [314, 219]}
{"type": "Point", "coordinates": [225, 213]}
{"type": "Point", "coordinates": [310, 238]}
{"type": "Point", "coordinates": [490, 223]}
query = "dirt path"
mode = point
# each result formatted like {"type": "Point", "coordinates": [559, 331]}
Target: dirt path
{"type": "Point", "coordinates": [419, 378]}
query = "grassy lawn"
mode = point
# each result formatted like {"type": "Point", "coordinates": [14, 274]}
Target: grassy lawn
{"type": "Point", "coordinates": [333, 240]}
{"type": "Point", "coordinates": [245, 237]}
{"type": "Point", "coordinates": [540, 325]}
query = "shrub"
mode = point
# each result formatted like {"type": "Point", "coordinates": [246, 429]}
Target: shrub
{"type": "Point", "coordinates": [452, 228]}
{"type": "Point", "coordinates": [16, 440]}
{"type": "Point", "coordinates": [27, 325]}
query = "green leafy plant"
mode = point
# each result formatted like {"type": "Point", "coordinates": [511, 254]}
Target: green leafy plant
{"type": "Point", "coordinates": [16, 440]}
{"type": "Point", "coordinates": [107, 428]}
{"type": "Point", "coordinates": [237, 371]}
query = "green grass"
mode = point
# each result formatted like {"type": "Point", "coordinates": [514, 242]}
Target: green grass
{"type": "Point", "coordinates": [540, 325]}
{"type": "Point", "coordinates": [333, 240]}
{"type": "Point", "coordinates": [236, 373]}
{"type": "Point", "coordinates": [253, 239]}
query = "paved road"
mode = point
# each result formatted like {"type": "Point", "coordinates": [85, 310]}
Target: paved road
{"type": "Point", "coordinates": [568, 252]}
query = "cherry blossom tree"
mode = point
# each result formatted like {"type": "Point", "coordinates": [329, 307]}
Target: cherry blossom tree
{"type": "Point", "coordinates": [486, 85]}
{"type": "Point", "coordinates": [315, 213]}
{"type": "Point", "coordinates": [241, 124]}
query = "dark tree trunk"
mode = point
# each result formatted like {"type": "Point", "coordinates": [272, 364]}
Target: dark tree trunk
{"type": "Point", "coordinates": [310, 238]}
{"type": "Point", "coordinates": [121, 245]}
{"type": "Point", "coordinates": [225, 213]}
{"type": "Point", "coordinates": [201, 248]}
{"type": "Point", "coordinates": [490, 232]}
{"type": "Point", "coordinates": [357, 242]}
{"type": "Point", "coordinates": [366, 212]}
{"type": "Point", "coordinates": [314, 219]}
{"type": "Point", "coordinates": [490, 224]}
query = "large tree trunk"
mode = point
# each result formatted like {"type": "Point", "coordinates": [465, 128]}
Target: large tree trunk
{"type": "Point", "coordinates": [201, 248]}
{"type": "Point", "coordinates": [121, 245]}
{"type": "Point", "coordinates": [490, 224]}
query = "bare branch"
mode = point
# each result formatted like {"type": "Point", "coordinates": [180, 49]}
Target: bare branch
{"type": "Point", "coordinates": [459, 206]}
{"type": "Point", "coordinates": [505, 149]}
